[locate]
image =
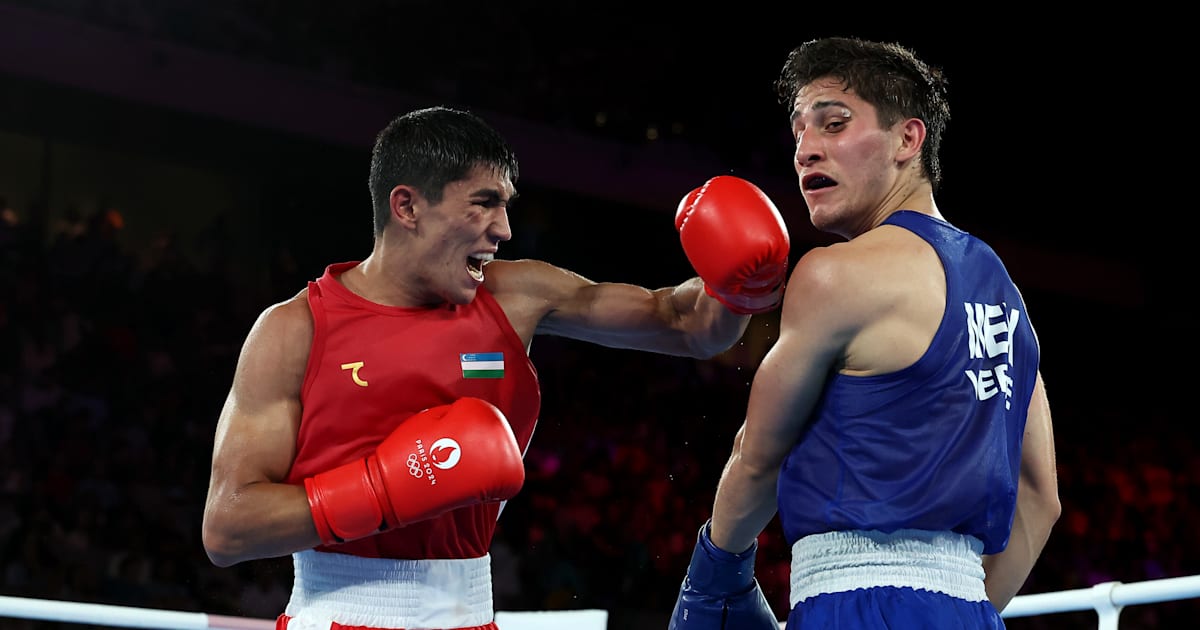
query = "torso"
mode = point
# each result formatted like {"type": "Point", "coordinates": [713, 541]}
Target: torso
{"type": "Point", "coordinates": [921, 426]}
{"type": "Point", "coordinates": [370, 366]}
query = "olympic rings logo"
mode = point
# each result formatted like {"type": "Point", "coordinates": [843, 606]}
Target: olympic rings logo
{"type": "Point", "coordinates": [414, 466]}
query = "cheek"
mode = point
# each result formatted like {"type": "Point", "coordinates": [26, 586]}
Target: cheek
{"type": "Point", "coordinates": [868, 150]}
{"type": "Point", "coordinates": [872, 158]}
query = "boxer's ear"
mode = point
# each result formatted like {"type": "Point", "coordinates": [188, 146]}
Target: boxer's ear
{"type": "Point", "coordinates": [402, 201]}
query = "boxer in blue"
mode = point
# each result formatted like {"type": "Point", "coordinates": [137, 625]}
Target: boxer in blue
{"type": "Point", "coordinates": [899, 426]}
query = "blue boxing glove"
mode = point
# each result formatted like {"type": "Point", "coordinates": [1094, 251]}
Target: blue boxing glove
{"type": "Point", "coordinates": [720, 592]}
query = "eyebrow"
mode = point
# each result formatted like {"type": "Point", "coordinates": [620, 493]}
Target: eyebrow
{"type": "Point", "coordinates": [819, 105]}
{"type": "Point", "coordinates": [494, 195]}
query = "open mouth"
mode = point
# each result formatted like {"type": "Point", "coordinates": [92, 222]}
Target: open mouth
{"type": "Point", "coordinates": [817, 182]}
{"type": "Point", "coordinates": [475, 265]}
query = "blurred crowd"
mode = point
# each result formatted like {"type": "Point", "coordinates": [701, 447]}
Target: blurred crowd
{"type": "Point", "coordinates": [114, 361]}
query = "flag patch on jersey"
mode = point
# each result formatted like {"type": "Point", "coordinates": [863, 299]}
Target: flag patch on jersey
{"type": "Point", "coordinates": [482, 364]}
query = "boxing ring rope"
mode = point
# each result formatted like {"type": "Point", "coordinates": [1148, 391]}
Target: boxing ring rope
{"type": "Point", "coordinates": [1107, 599]}
{"type": "Point", "coordinates": [130, 617]}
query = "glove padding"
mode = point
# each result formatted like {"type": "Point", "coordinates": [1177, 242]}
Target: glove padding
{"type": "Point", "coordinates": [737, 242]}
{"type": "Point", "coordinates": [720, 592]}
{"type": "Point", "coordinates": [434, 461]}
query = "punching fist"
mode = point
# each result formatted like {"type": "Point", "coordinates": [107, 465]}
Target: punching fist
{"type": "Point", "coordinates": [435, 461]}
{"type": "Point", "coordinates": [737, 242]}
{"type": "Point", "coordinates": [720, 592]}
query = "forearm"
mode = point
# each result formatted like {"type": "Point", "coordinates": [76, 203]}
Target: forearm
{"type": "Point", "coordinates": [262, 520]}
{"type": "Point", "coordinates": [744, 505]}
{"type": "Point", "coordinates": [709, 326]}
{"type": "Point", "coordinates": [1007, 571]}
{"type": "Point", "coordinates": [1038, 506]}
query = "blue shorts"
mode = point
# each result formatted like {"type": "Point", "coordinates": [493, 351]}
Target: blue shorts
{"type": "Point", "coordinates": [894, 608]}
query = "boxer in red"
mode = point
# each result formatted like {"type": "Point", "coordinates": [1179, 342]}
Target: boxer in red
{"type": "Point", "coordinates": [377, 420]}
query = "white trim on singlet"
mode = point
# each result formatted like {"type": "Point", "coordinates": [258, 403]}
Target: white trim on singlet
{"type": "Point", "coordinates": [836, 562]}
{"type": "Point", "coordinates": [384, 593]}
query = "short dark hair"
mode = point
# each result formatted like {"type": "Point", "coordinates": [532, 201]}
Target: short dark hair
{"type": "Point", "coordinates": [430, 148]}
{"type": "Point", "coordinates": [887, 75]}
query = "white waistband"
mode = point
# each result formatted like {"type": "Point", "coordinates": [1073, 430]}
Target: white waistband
{"type": "Point", "coordinates": [384, 593]}
{"type": "Point", "coordinates": [835, 562]}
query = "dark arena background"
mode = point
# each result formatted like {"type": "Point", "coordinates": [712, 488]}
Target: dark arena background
{"type": "Point", "coordinates": [168, 169]}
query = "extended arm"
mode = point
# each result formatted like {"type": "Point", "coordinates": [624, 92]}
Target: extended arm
{"type": "Point", "coordinates": [1038, 506]}
{"type": "Point", "coordinates": [734, 237]}
{"type": "Point", "coordinates": [681, 320]}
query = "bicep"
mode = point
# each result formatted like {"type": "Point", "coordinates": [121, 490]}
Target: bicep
{"type": "Point", "coordinates": [613, 314]}
{"type": "Point", "coordinates": [256, 432]}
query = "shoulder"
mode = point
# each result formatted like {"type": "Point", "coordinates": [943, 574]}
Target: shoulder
{"type": "Point", "coordinates": [817, 286]}
{"type": "Point", "coordinates": [529, 291]}
{"type": "Point", "coordinates": [857, 279]}
{"type": "Point", "coordinates": [833, 270]}
{"type": "Point", "coordinates": [275, 354]}
{"type": "Point", "coordinates": [531, 278]}
{"type": "Point", "coordinates": [284, 325]}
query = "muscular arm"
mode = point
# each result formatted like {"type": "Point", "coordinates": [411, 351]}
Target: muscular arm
{"type": "Point", "coordinates": [681, 320]}
{"type": "Point", "coordinates": [1038, 506]}
{"type": "Point", "coordinates": [250, 513]}
{"type": "Point", "coordinates": [814, 328]}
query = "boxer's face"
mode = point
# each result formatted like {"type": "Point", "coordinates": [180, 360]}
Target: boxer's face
{"type": "Point", "coordinates": [844, 160]}
{"type": "Point", "coordinates": [462, 232]}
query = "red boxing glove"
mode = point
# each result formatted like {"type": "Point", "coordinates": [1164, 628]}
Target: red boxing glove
{"type": "Point", "coordinates": [737, 242]}
{"type": "Point", "coordinates": [437, 460]}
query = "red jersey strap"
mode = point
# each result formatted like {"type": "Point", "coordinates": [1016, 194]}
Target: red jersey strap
{"type": "Point", "coordinates": [317, 344]}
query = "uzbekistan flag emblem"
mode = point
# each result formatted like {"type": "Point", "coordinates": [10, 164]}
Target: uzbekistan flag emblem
{"type": "Point", "coordinates": [482, 364]}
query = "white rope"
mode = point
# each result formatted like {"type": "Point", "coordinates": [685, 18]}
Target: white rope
{"type": "Point", "coordinates": [121, 616]}
{"type": "Point", "coordinates": [1106, 599]}
{"type": "Point", "coordinates": [131, 617]}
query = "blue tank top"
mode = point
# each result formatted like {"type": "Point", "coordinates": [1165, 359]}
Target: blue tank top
{"type": "Point", "coordinates": [936, 445]}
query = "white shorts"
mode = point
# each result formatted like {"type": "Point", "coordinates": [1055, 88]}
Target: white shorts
{"type": "Point", "coordinates": [384, 593]}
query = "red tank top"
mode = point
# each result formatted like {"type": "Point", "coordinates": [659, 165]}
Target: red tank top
{"type": "Point", "coordinates": [371, 366]}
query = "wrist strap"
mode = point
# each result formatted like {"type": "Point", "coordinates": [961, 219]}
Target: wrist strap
{"type": "Point", "coordinates": [745, 304]}
{"type": "Point", "coordinates": [718, 571]}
